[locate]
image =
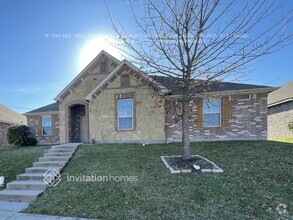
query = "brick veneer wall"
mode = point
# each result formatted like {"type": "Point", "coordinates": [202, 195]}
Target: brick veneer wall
{"type": "Point", "coordinates": [278, 119]}
{"type": "Point", "coordinates": [33, 121]}
{"type": "Point", "coordinates": [247, 119]}
{"type": "Point", "coordinates": [3, 134]}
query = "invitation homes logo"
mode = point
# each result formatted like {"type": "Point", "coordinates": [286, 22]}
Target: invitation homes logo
{"type": "Point", "coordinates": [52, 177]}
{"type": "Point", "coordinates": [97, 178]}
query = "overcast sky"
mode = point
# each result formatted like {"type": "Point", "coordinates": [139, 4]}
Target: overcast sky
{"type": "Point", "coordinates": [44, 44]}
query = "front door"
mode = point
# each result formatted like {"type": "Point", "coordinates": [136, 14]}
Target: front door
{"type": "Point", "coordinates": [78, 124]}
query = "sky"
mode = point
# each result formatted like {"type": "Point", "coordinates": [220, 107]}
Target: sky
{"type": "Point", "coordinates": [44, 44]}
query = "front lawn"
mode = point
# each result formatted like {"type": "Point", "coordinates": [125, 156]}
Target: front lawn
{"type": "Point", "coordinates": [257, 178]}
{"type": "Point", "coordinates": [14, 160]}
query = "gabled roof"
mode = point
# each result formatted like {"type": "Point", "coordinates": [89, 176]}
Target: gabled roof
{"type": "Point", "coordinates": [144, 76]}
{"type": "Point", "coordinates": [54, 107]}
{"type": "Point", "coordinates": [166, 84]}
{"type": "Point", "coordinates": [214, 86]}
{"type": "Point", "coordinates": [281, 95]}
{"type": "Point", "coordinates": [84, 71]}
{"type": "Point", "coordinates": [11, 117]}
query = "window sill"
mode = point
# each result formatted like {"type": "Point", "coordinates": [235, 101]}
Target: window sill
{"type": "Point", "coordinates": [125, 130]}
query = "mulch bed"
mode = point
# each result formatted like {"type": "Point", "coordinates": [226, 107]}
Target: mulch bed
{"type": "Point", "coordinates": [177, 163]}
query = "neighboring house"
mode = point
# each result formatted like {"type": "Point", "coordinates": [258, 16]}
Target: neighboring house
{"type": "Point", "coordinates": [114, 101]}
{"type": "Point", "coordinates": [280, 112]}
{"type": "Point", "coordinates": [8, 118]}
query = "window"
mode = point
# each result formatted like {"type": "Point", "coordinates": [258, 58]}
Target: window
{"type": "Point", "coordinates": [125, 114]}
{"type": "Point", "coordinates": [212, 112]}
{"type": "Point", "coordinates": [46, 125]}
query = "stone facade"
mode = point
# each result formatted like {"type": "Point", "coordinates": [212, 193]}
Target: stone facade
{"type": "Point", "coordinates": [246, 119]}
{"type": "Point", "coordinates": [3, 134]}
{"type": "Point", "coordinates": [149, 114]}
{"type": "Point", "coordinates": [278, 119]}
{"type": "Point", "coordinates": [76, 94]}
{"type": "Point", "coordinates": [35, 124]}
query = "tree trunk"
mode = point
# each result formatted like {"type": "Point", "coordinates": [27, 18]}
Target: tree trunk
{"type": "Point", "coordinates": [186, 155]}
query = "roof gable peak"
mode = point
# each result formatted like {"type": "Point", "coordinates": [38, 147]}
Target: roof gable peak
{"type": "Point", "coordinates": [85, 71]}
{"type": "Point", "coordinates": [133, 70]}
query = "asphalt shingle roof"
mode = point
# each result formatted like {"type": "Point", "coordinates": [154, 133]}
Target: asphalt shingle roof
{"type": "Point", "coordinates": [171, 84]}
{"type": "Point", "coordinates": [11, 117]}
{"type": "Point", "coordinates": [48, 108]}
{"type": "Point", "coordinates": [281, 94]}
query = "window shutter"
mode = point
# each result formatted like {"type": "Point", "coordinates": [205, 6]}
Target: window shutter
{"type": "Point", "coordinates": [40, 125]}
{"type": "Point", "coordinates": [225, 111]}
{"type": "Point", "coordinates": [199, 113]}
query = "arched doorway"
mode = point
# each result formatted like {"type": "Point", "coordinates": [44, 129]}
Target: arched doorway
{"type": "Point", "coordinates": [78, 123]}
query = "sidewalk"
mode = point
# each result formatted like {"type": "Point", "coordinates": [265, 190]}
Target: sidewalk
{"type": "Point", "coordinates": [10, 211]}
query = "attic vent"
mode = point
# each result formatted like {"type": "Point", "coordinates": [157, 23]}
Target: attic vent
{"type": "Point", "coordinates": [125, 80]}
{"type": "Point", "coordinates": [243, 96]}
{"type": "Point", "coordinates": [104, 66]}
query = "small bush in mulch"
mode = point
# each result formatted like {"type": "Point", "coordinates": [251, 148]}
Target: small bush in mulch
{"type": "Point", "coordinates": [177, 163]}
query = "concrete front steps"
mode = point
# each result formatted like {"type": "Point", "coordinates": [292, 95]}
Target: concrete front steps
{"type": "Point", "coordinates": [29, 185]}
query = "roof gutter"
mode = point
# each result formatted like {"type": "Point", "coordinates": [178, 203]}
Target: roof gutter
{"type": "Point", "coordinates": [42, 113]}
{"type": "Point", "coordinates": [232, 92]}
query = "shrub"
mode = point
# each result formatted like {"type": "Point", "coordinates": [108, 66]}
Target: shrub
{"type": "Point", "coordinates": [20, 135]}
{"type": "Point", "coordinates": [31, 141]}
{"type": "Point", "coordinates": [290, 125]}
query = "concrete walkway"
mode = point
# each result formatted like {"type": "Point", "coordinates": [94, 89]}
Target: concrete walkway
{"type": "Point", "coordinates": [9, 210]}
{"type": "Point", "coordinates": [33, 182]}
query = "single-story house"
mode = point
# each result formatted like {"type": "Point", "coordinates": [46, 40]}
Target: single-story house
{"type": "Point", "coordinates": [114, 101]}
{"type": "Point", "coordinates": [280, 112]}
{"type": "Point", "coordinates": [8, 118]}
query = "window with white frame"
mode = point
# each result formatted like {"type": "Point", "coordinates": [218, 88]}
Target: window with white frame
{"type": "Point", "coordinates": [211, 112]}
{"type": "Point", "coordinates": [46, 125]}
{"type": "Point", "coordinates": [125, 114]}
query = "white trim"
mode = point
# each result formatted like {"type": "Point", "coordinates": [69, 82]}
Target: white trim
{"type": "Point", "coordinates": [58, 97]}
{"type": "Point", "coordinates": [47, 135]}
{"type": "Point", "coordinates": [126, 129]}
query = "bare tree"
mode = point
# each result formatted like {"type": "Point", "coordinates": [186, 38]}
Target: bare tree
{"type": "Point", "coordinates": [199, 41]}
